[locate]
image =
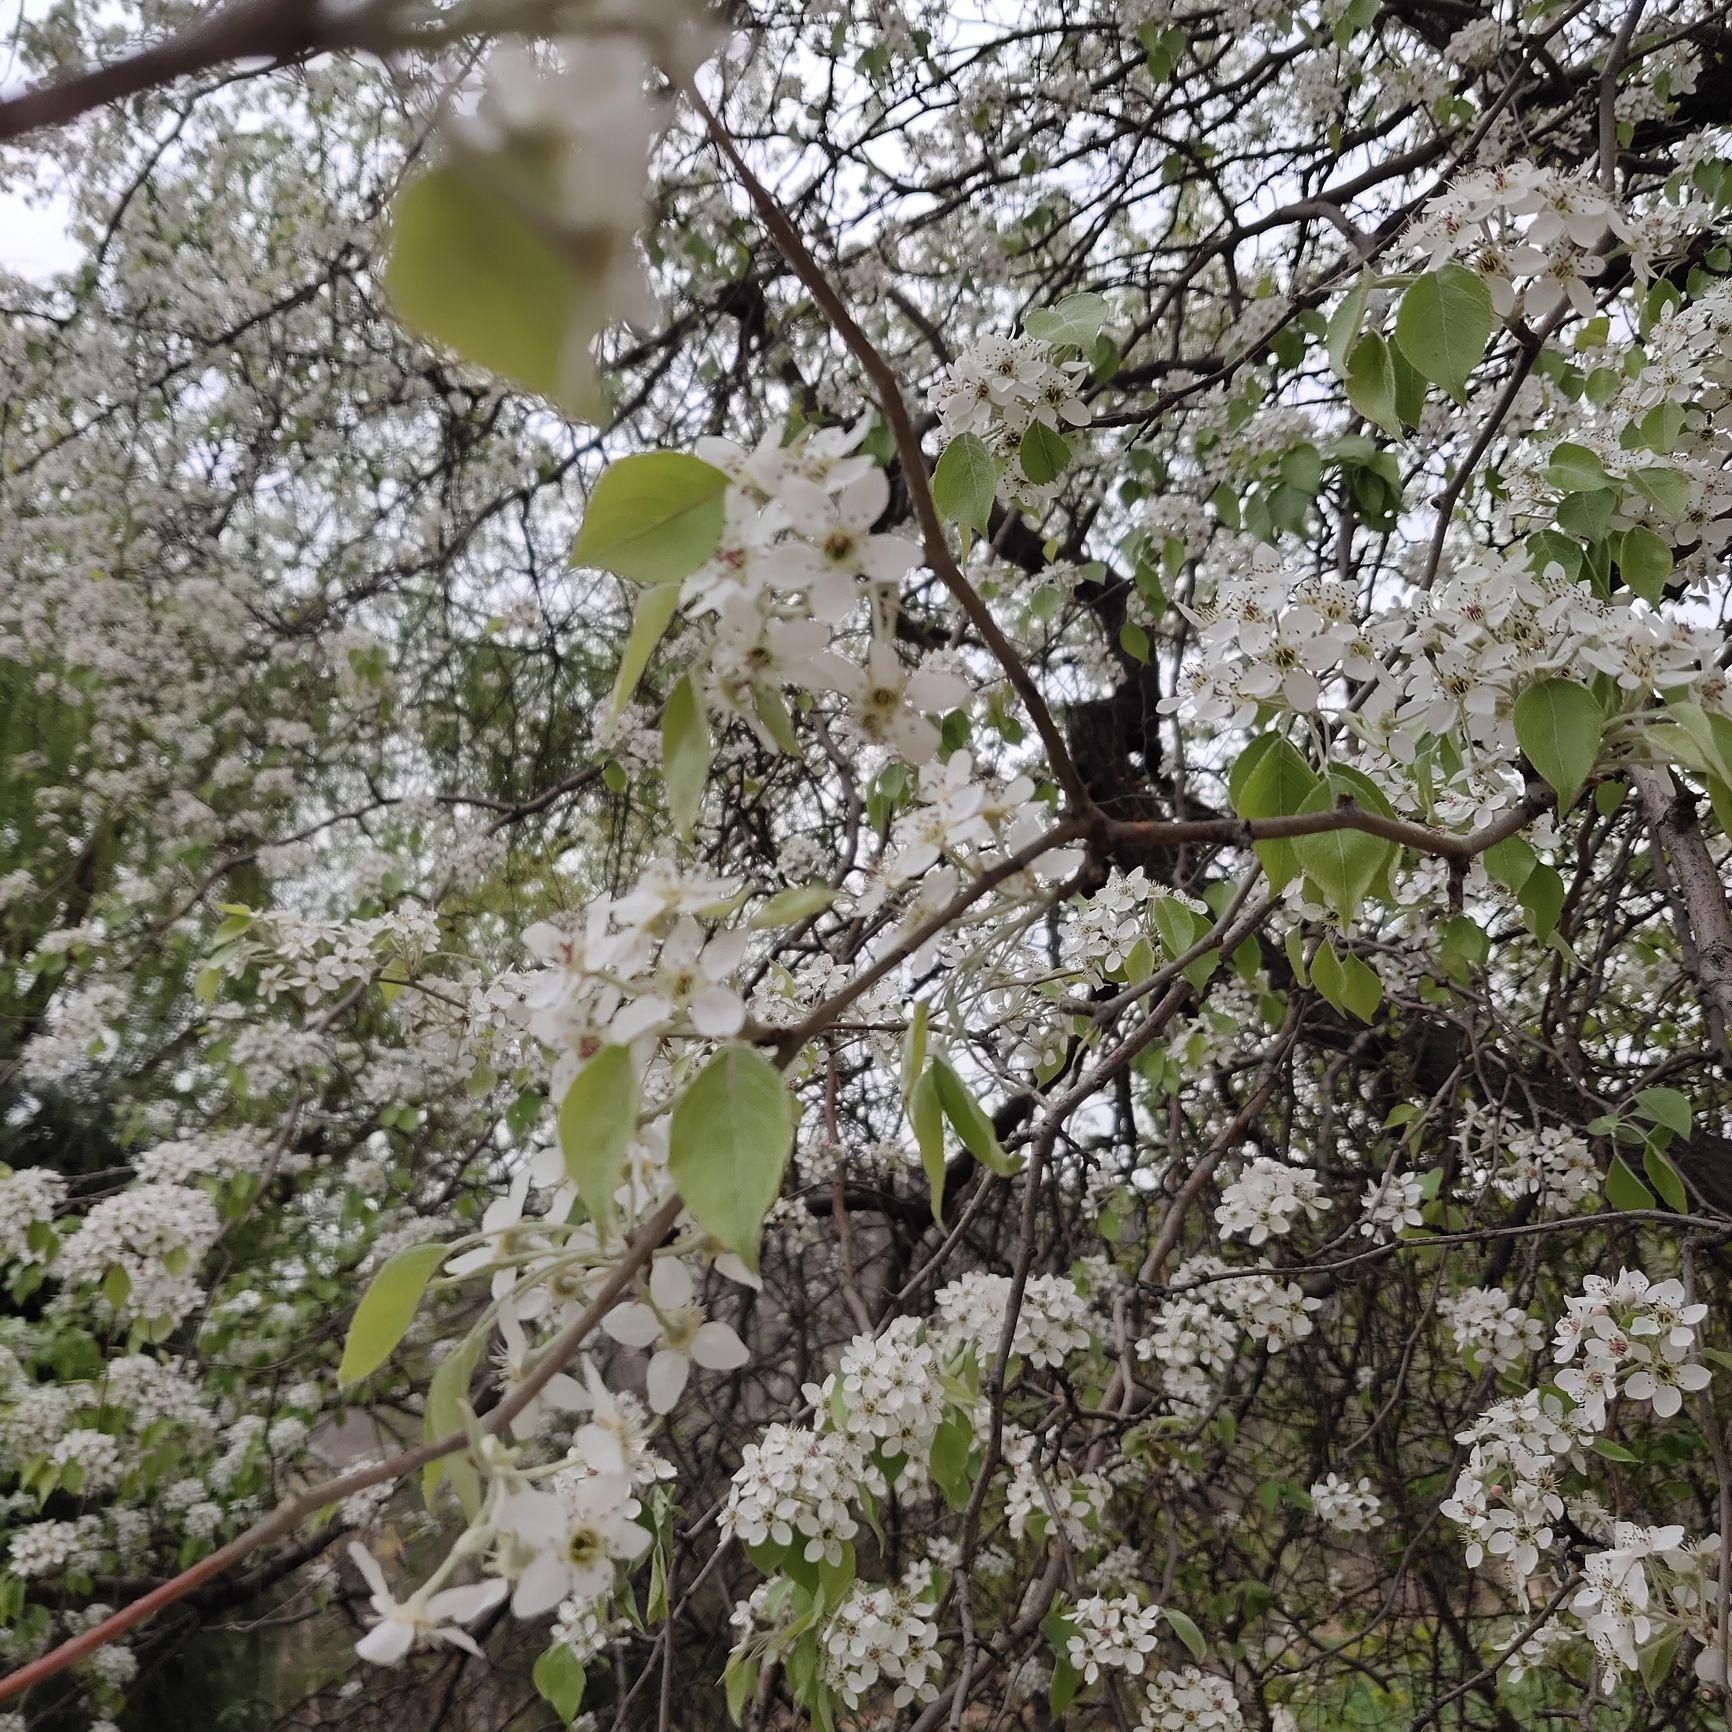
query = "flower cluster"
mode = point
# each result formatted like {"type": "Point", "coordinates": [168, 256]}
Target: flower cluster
{"type": "Point", "coordinates": [1000, 386]}
{"type": "Point", "coordinates": [795, 1486]}
{"type": "Point", "coordinates": [1267, 1198]}
{"type": "Point", "coordinates": [1391, 1205]}
{"type": "Point", "coordinates": [1534, 235]}
{"type": "Point", "coordinates": [890, 1390]}
{"type": "Point", "coordinates": [882, 1635]}
{"type": "Point", "coordinates": [1054, 1320]}
{"type": "Point", "coordinates": [1190, 1701]}
{"type": "Point", "coordinates": [1489, 1331]}
{"type": "Point", "coordinates": [1345, 1507]}
{"type": "Point", "coordinates": [1111, 1634]}
{"type": "Point", "coordinates": [1553, 1164]}
{"type": "Point", "coordinates": [1634, 1336]}
{"type": "Point", "coordinates": [143, 1244]}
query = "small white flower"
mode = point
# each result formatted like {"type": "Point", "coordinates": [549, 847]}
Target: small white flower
{"type": "Point", "coordinates": [678, 1329]}
{"type": "Point", "coordinates": [401, 1624]}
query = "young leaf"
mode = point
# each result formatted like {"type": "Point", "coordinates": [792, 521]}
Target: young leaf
{"type": "Point", "coordinates": [1044, 454]}
{"type": "Point", "coordinates": [446, 1395]}
{"type": "Point", "coordinates": [965, 483]}
{"type": "Point", "coordinates": [597, 1121]}
{"type": "Point", "coordinates": [685, 753]}
{"type": "Point", "coordinates": [649, 621]}
{"type": "Point", "coordinates": [1075, 320]}
{"type": "Point", "coordinates": [1442, 326]}
{"type": "Point", "coordinates": [1345, 321]}
{"type": "Point", "coordinates": [1362, 990]}
{"type": "Point", "coordinates": [1371, 383]}
{"type": "Point", "coordinates": [728, 1142]}
{"type": "Point", "coordinates": [653, 518]}
{"type": "Point", "coordinates": [798, 903]}
{"type": "Point", "coordinates": [558, 1676]}
{"type": "Point", "coordinates": [1668, 1107]}
{"type": "Point", "coordinates": [968, 1121]}
{"type": "Point", "coordinates": [926, 1115]}
{"type": "Point", "coordinates": [1272, 780]}
{"type": "Point", "coordinates": [1559, 724]}
{"type": "Point", "coordinates": [1186, 1631]}
{"type": "Point", "coordinates": [1344, 863]}
{"type": "Point", "coordinates": [1663, 1176]}
{"type": "Point", "coordinates": [387, 1309]}
{"type": "Point", "coordinates": [1624, 1190]}
{"type": "Point", "coordinates": [468, 270]}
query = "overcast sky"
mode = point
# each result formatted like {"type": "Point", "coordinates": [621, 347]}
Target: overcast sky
{"type": "Point", "coordinates": [32, 236]}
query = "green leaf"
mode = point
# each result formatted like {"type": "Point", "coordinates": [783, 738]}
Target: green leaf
{"type": "Point", "coordinates": [1443, 324]}
{"type": "Point", "coordinates": [1656, 1659]}
{"type": "Point", "coordinates": [1612, 1451]}
{"type": "Point", "coordinates": [1666, 488]}
{"type": "Point", "coordinates": [1644, 562]}
{"type": "Point", "coordinates": [738, 1680]}
{"type": "Point", "coordinates": [558, 1677]}
{"type": "Point", "coordinates": [1668, 1107]}
{"type": "Point", "coordinates": [914, 1048]}
{"type": "Point", "coordinates": [653, 518]}
{"type": "Point", "coordinates": [1186, 1631]}
{"type": "Point", "coordinates": [1624, 1190]}
{"type": "Point", "coordinates": [1560, 724]}
{"type": "Point", "coordinates": [952, 1445]}
{"type": "Point", "coordinates": [1371, 383]}
{"type": "Point", "coordinates": [1345, 321]}
{"type": "Point", "coordinates": [1663, 1176]}
{"type": "Point", "coordinates": [1075, 320]}
{"type": "Point", "coordinates": [597, 1121]}
{"type": "Point", "coordinates": [685, 753]}
{"type": "Point", "coordinates": [798, 903]}
{"type": "Point", "coordinates": [1542, 899]}
{"type": "Point", "coordinates": [468, 270]}
{"type": "Point", "coordinates": [965, 483]}
{"type": "Point", "coordinates": [1061, 1692]}
{"type": "Point", "coordinates": [1510, 861]}
{"type": "Point", "coordinates": [968, 1121]}
{"type": "Point", "coordinates": [1362, 989]}
{"type": "Point", "coordinates": [1327, 976]}
{"type": "Point", "coordinates": [649, 621]}
{"type": "Point", "coordinates": [728, 1143]}
{"type": "Point", "coordinates": [1344, 864]}
{"type": "Point", "coordinates": [773, 713]}
{"type": "Point", "coordinates": [1272, 780]}
{"type": "Point", "coordinates": [387, 1309]}
{"type": "Point", "coordinates": [926, 1115]}
{"type": "Point", "coordinates": [1044, 454]}
{"type": "Point", "coordinates": [446, 1395]}
{"type": "Point", "coordinates": [1575, 469]}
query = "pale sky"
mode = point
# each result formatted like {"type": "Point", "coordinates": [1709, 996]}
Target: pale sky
{"type": "Point", "coordinates": [33, 239]}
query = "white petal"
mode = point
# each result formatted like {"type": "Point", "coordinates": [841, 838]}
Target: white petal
{"type": "Point", "coordinates": [717, 1012]}
{"type": "Point", "coordinates": [670, 1284]}
{"type": "Point", "coordinates": [368, 1565]}
{"type": "Point", "coordinates": [599, 1447]}
{"type": "Point", "coordinates": [717, 1348]}
{"type": "Point", "coordinates": [887, 557]}
{"type": "Point", "coordinates": [459, 1605]}
{"type": "Point", "coordinates": [935, 691]}
{"type": "Point", "coordinates": [387, 1642]}
{"type": "Point", "coordinates": [665, 1381]}
{"type": "Point", "coordinates": [733, 1266]}
{"type": "Point", "coordinates": [632, 1324]}
{"type": "Point", "coordinates": [541, 1587]}
{"type": "Point", "coordinates": [565, 1393]}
